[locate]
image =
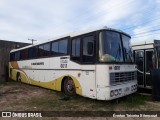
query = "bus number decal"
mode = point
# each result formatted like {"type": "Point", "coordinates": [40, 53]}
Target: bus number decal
{"type": "Point", "coordinates": [63, 63]}
{"type": "Point", "coordinates": [117, 68]}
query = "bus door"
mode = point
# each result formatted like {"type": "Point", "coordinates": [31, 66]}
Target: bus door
{"type": "Point", "coordinates": [139, 59]}
{"type": "Point", "coordinates": [88, 67]}
{"type": "Point", "coordinates": [148, 67]}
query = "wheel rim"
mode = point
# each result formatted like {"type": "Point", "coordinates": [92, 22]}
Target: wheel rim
{"type": "Point", "coordinates": [70, 86]}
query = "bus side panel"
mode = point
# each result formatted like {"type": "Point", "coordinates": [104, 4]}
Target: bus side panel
{"type": "Point", "coordinates": [47, 72]}
{"type": "Point", "coordinates": [88, 81]}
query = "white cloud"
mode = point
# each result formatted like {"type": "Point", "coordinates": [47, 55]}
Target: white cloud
{"type": "Point", "coordinates": [152, 23]}
{"type": "Point", "coordinates": [44, 19]}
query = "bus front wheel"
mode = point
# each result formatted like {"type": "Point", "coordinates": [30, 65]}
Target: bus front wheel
{"type": "Point", "coordinates": [69, 86]}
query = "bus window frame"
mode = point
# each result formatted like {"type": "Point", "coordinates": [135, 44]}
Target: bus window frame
{"type": "Point", "coordinates": [37, 46]}
{"type": "Point", "coordinates": [81, 48]}
{"type": "Point", "coordinates": [99, 62]}
{"type": "Point", "coordinates": [68, 46]}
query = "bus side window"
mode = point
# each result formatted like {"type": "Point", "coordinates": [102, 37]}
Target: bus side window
{"type": "Point", "coordinates": [63, 47]}
{"type": "Point", "coordinates": [59, 47]}
{"type": "Point", "coordinates": [139, 59]}
{"type": "Point", "coordinates": [24, 54]}
{"type": "Point", "coordinates": [88, 49]}
{"type": "Point", "coordinates": [32, 52]}
{"type": "Point", "coordinates": [17, 55]}
{"type": "Point", "coordinates": [54, 48]}
{"type": "Point", "coordinates": [12, 57]}
{"type": "Point", "coordinates": [44, 50]}
{"type": "Point", "coordinates": [76, 49]}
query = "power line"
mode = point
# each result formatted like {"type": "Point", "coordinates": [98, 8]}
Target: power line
{"type": "Point", "coordinates": [146, 32]}
{"type": "Point", "coordinates": [149, 34]}
{"type": "Point", "coordinates": [146, 28]}
{"type": "Point", "coordinates": [88, 17]}
{"type": "Point", "coordinates": [148, 12]}
{"type": "Point", "coordinates": [101, 13]}
{"type": "Point", "coordinates": [141, 24]}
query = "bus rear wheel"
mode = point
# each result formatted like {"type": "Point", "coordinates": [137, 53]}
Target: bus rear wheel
{"type": "Point", "coordinates": [69, 87]}
{"type": "Point", "coordinates": [18, 77]}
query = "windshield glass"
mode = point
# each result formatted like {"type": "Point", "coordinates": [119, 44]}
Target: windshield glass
{"type": "Point", "coordinates": [110, 48]}
{"type": "Point", "coordinates": [127, 49]}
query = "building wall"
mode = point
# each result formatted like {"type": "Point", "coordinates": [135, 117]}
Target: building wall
{"type": "Point", "coordinates": [5, 48]}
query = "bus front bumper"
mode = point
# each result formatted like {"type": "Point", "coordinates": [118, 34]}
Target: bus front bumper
{"type": "Point", "coordinates": [116, 91]}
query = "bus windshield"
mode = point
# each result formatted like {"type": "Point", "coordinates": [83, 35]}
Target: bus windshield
{"type": "Point", "coordinates": [110, 47]}
{"type": "Point", "coordinates": [127, 49]}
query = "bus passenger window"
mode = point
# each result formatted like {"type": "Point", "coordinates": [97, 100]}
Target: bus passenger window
{"type": "Point", "coordinates": [63, 45]}
{"type": "Point", "coordinates": [139, 59]}
{"type": "Point", "coordinates": [149, 62]}
{"type": "Point", "coordinates": [12, 57]}
{"type": "Point", "coordinates": [54, 50]}
{"type": "Point", "coordinates": [88, 49]}
{"type": "Point", "coordinates": [32, 52]}
{"type": "Point", "coordinates": [76, 49]}
{"type": "Point", "coordinates": [40, 51]}
{"type": "Point", "coordinates": [24, 54]}
{"type": "Point", "coordinates": [17, 56]}
{"type": "Point", "coordinates": [44, 50]}
{"type": "Point", "coordinates": [60, 47]}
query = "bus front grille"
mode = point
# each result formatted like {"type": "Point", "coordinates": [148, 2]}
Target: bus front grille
{"type": "Point", "coordinates": [122, 77]}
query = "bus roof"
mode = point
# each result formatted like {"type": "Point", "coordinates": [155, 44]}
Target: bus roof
{"type": "Point", "coordinates": [71, 35]}
{"type": "Point", "coordinates": [143, 42]}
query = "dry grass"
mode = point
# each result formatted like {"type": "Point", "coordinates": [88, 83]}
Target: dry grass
{"type": "Point", "coordinates": [22, 97]}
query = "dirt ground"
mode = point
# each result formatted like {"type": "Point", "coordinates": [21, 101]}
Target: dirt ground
{"type": "Point", "coordinates": [23, 97]}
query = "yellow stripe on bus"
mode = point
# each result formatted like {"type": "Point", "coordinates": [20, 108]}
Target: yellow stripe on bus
{"type": "Point", "coordinates": [53, 84]}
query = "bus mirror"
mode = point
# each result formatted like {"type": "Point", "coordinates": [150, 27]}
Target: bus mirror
{"type": "Point", "coordinates": [90, 48]}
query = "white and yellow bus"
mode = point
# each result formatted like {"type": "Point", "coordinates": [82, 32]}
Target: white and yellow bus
{"type": "Point", "coordinates": [96, 64]}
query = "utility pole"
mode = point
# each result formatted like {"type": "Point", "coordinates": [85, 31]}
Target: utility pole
{"type": "Point", "coordinates": [32, 40]}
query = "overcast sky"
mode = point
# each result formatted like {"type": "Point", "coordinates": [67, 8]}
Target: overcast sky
{"type": "Point", "coordinates": [45, 19]}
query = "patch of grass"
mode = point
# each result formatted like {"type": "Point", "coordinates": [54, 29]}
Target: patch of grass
{"type": "Point", "coordinates": [39, 99]}
{"type": "Point", "coordinates": [54, 102]}
{"type": "Point", "coordinates": [2, 85]}
{"type": "Point", "coordinates": [135, 100]}
{"type": "Point", "coordinates": [50, 100]}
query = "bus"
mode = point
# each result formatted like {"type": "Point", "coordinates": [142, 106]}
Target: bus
{"type": "Point", "coordinates": [147, 57]}
{"type": "Point", "coordinates": [95, 63]}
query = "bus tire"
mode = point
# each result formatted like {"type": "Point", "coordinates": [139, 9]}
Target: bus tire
{"type": "Point", "coordinates": [69, 87]}
{"type": "Point", "coordinates": [18, 77]}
